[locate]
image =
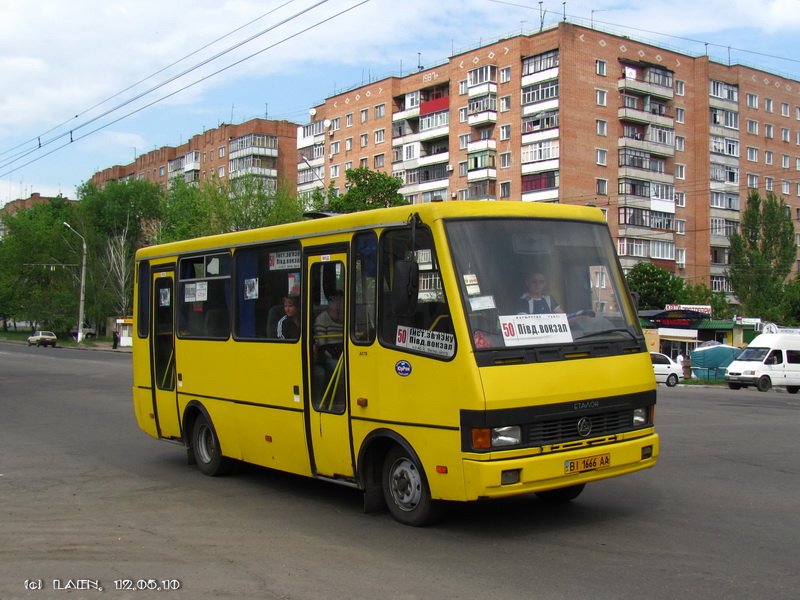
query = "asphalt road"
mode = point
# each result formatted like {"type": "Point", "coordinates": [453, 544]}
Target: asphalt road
{"type": "Point", "coordinates": [87, 499]}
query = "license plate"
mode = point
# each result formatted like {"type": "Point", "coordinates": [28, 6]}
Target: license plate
{"type": "Point", "coordinates": [587, 463]}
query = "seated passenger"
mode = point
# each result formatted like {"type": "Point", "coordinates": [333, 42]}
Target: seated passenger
{"type": "Point", "coordinates": [289, 324]}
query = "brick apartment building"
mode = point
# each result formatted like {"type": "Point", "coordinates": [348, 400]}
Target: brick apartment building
{"type": "Point", "coordinates": [667, 145]}
{"type": "Point", "coordinates": [14, 206]}
{"type": "Point", "coordinates": [258, 147]}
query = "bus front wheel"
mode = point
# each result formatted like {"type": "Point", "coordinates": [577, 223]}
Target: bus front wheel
{"type": "Point", "coordinates": [763, 384]}
{"type": "Point", "coordinates": [406, 490]}
{"type": "Point", "coordinates": [205, 445]}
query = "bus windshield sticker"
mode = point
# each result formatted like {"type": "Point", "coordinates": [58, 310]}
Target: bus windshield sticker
{"type": "Point", "coordinates": [202, 291]}
{"type": "Point", "coordinates": [190, 292]}
{"type": "Point", "coordinates": [279, 261]}
{"type": "Point", "coordinates": [482, 303]}
{"type": "Point", "coordinates": [164, 297]}
{"type": "Point", "coordinates": [425, 341]}
{"type": "Point", "coordinates": [524, 330]}
{"type": "Point", "coordinates": [471, 283]}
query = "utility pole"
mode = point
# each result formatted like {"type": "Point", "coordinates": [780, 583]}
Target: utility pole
{"type": "Point", "coordinates": [83, 283]}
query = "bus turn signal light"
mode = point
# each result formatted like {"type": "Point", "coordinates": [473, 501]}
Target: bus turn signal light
{"type": "Point", "coordinates": [482, 439]}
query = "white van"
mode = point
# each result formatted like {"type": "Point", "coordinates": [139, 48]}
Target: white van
{"type": "Point", "coordinates": [771, 359]}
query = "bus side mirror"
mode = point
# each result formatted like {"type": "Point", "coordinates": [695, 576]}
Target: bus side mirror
{"type": "Point", "coordinates": [635, 300]}
{"type": "Point", "coordinates": [405, 288]}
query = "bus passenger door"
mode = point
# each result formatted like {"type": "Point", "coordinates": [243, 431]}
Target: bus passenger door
{"type": "Point", "coordinates": [165, 402]}
{"type": "Point", "coordinates": [325, 342]}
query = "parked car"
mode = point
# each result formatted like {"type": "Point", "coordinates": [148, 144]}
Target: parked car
{"type": "Point", "coordinates": [88, 331]}
{"type": "Point", "coordinates": [43, 338]}
{"type": "Point", "coordinates": [666, 370]}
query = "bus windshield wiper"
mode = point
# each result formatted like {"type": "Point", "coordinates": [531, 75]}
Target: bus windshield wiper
{"type": "Point", "coordinates": [604, 331]}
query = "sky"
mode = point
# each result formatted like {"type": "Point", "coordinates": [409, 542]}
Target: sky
{"type": "Point", "coordinates": [89, 84]}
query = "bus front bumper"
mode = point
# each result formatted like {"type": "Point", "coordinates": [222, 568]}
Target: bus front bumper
{"type": "Point", "coordinates": [522, 475]}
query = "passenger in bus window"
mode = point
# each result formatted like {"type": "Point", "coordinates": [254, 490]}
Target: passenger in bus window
{"type": "Point", "coordinates": [289, 324]}
{"type": "Point", "coordinates": [535, 300]}
{"type": "Point", "coordinates": [329, 331]}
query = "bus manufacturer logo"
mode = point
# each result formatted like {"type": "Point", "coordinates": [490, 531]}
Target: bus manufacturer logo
{"type": "Point", "coordinates": [584, 427]}
{"type": "Point", "coordinates": [403, 368]}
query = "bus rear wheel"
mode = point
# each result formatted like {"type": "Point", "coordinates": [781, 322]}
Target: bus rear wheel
{"type": "Point", "coordinates": [560, 495]}
{"type": "Point", "coordinates": [406, 490]}
{"type": "Point", "coordinates": [206, 448]}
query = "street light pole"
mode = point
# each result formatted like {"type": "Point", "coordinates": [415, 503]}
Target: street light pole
{"type": "Point", "coordinates": [79, 337]}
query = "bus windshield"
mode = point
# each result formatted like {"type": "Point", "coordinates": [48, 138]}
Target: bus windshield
{"type": "Point", "coordinates": [753, 353]}
{"type": "Point", "coordinates": [534, 282]}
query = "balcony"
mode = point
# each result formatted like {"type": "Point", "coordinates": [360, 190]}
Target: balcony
{"type": "Point", "coordinates": [635, 115]}
{"type": "Point", "coordinates": [482, 118]}
{"type": "Point", "coordinates": [644, 88]}
{"type": "Point", "coordinates": [639, 143]}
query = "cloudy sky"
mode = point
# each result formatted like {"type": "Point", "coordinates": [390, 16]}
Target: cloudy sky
{"type": "Point", "coordinates": [87, 84]}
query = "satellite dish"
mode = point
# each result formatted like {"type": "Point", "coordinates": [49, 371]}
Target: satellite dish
{"type": "Point", "coordinates": [312, 112]}
{"type": "Point", "coordinates": [327, 123]}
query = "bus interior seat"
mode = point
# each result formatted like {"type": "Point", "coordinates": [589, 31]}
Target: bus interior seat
{"type": "Point", "coordinates": [274, 315]}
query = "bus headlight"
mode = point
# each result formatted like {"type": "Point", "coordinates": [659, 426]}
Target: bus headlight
{"type": "Point", "coordinates": [506, 436]}
{"type": "Point", "coordinates": [639, 417]}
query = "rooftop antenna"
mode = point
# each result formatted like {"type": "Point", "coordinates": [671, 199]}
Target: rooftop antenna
{"type": "Point", "coordinates": [541, 17]}
{"type": "Point", "coordinates": [564, 5]}
{"type": "Point", "coordinates": [419, 61]}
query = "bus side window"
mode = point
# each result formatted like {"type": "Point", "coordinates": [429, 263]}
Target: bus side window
{"type": "Point", "coordinates": [364, 304]}
{"type": "Point", "coordinates": [429, 329]}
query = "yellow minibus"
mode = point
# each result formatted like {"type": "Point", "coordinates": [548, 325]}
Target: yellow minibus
{"type": "Point", "coordinates": [451, 351]}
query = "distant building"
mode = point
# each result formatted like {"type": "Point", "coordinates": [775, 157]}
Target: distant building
{"type": "Point", "coordinates": [665, 144]}
{"type": "Point", "coordinates": [263, 148]}
{"type": "Point", "coordinates": [21, 204]}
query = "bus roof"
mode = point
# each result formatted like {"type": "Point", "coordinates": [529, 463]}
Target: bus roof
{"type": "Point", "coordinates": [380, 217]}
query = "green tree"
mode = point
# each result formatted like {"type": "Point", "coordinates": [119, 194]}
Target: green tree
{"type": "Point", "coordinates": [185, 213]}
{"type": "Point", "coordinates": [367, 190]}
{"type": "Point", "coordinates": [39, 273]}
{"type": "Point", "coordinates": [700, 293]}
{"type": "Point", "coordinates": [655, 285]}
{"type": "Point", "coordinates": [762, 256]}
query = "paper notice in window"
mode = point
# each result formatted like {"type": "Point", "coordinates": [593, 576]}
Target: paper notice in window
{"type": "Point", "coordinates": [534, 330]}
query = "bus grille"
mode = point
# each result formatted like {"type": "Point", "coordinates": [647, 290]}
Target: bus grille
{"type": "Point", "coordinates": [547, 433]}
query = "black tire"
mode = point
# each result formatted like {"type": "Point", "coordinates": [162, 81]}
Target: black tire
{"type": "Point", "coordinates": [561, 495]}
{"type": "Point", "coordinates": [792, 389]}
{"type": "Point", "coordinates": [734, 386]}
{"type": "Point", "coordinates": [763, 384]}
{"type": "Point", "coordinates": [672, 380]}
{"type": "Point", "coordinates": [406, 491]}
{"type": "Point", "coordinates": [206, 448]}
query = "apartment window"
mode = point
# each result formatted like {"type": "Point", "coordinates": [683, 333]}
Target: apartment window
{"type": "Point", "coordinates": [785, 134]}
{"type": "Point", "coordinates": [784, 109]}
{"type": "Point", "coordinates": [680, 226]}
{"type": "Point", "coordinates": [680, 143]}
{"type": "Point", "coordinates": [334, 147]}
{"type": "Point", "coordinates": [602, 157]}
{"type": "Point", "coordinates": [505, 103]}
{"type": "Point", "coordinates": [364, 115]}
{"type": "Point", "coordinates": [785, 188]}
{"type": "Point", "coordinates": [547, 180]}
{"type": "Point", "coordinates": [602, 187]}
{"type": "Point", "coordinates": [768, 131]}
{"type": "Point", "coordinates": [161, 171]}
{"type": "Point", "coordinates": [505, 132]}
{"type": "Point", "coordinates": [363, 163]}
{"type": "Point", "coordinates": [768, 154]}
{"type": "Point", "coordinates": [600, 67]}
{"type": "Point", "coordinates": [725, 200]}
{"type": "Point", "coordinates": [680, 171]}
{"type": "Point", "coordinates": [539, 151]}
{"type": "Point", "coordinates": [662, 250]}
{"type": "Point", "coordinates": [505, 189]}
{"type": "Point", "coordinates": [364, 139]}
{"type": "Point", "coordinates": [768, 105]}
{"type": "Point", "coordinates": [484, 74]}
{"type": "Point", "coordinates": [505, 74]}
{"type": "Point", "coordinates": [540, 62]}
{"type": "Point", "coordinates": [537, 92]}
{"type": "Point", "coordinates": [720, 255]}
{"type": "Point", "coordinates": [726, 91]}
{"type": "Point", "coordinates": [348, 166]}
{"type": "Point", "coordinates": [379, 161]}
{"type": "Point", "coordinates": [221, 171]}
{"type": "Point", "coordinates": [680, 257]}
{"type": "Point", "coordinates": [601, 97]}
{"type": "Point", "coordinates": [463, 114]}
{"type": "Point", "coordinates": [380, 135]}
{"type": "Point", "coordinates": [334, 171]}
{"type": "Point", "coordinates": [680, 199]}
{"type": "Point", "coordinates": [464, 140]}
{"type": "Point", "coordinates": [724, 173]}
{"type": "Point", "coordinates": [752, 154]}
{"type": "Point", "coordinates": [752, 181]}
{"type": "Point", "coordinates": [680, 87]}
{"type": "Point", "coordinates": [680, 115]}
{"type": "Point", "coordinates": [752, 100]}
{"type": "Point", "coordinates": [785, 161]}
{"type": "Point", "coordinates": [462, 87]}
{"type": "Point", "coordinates": [797, 164]}
{"type": "Point", "coordinates": [348, 120]}
{"type": "Point", "coordinates": [769, 183]}
{"type": "Point", "coordinates": [380, 111]}
{"type": "Point", "coordinates": [752, 127]}
{"type": "Point", "coordinates": [540, 121]}
{"type": "Point", "coordinates": [601, 127]}
{"type": "Point", "coordinates": [348, 144]}
{"type": "Point", "coordinates": [335, 124]}
{"type": "Point", "coordinates": [463, 169]}
{"type": "Point", "coordinates": [505, 160]}
{"type": "Point", "coordinates": [722, 118]}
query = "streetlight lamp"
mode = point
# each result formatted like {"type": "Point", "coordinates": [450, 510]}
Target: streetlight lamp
{"type": "Point", "coordinates": [79, 337]}
{"type": "Point", "coordinates": [320, 179]}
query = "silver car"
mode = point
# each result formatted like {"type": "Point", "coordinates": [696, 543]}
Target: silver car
{"type": "Point", "coordinates": [666, 370]}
